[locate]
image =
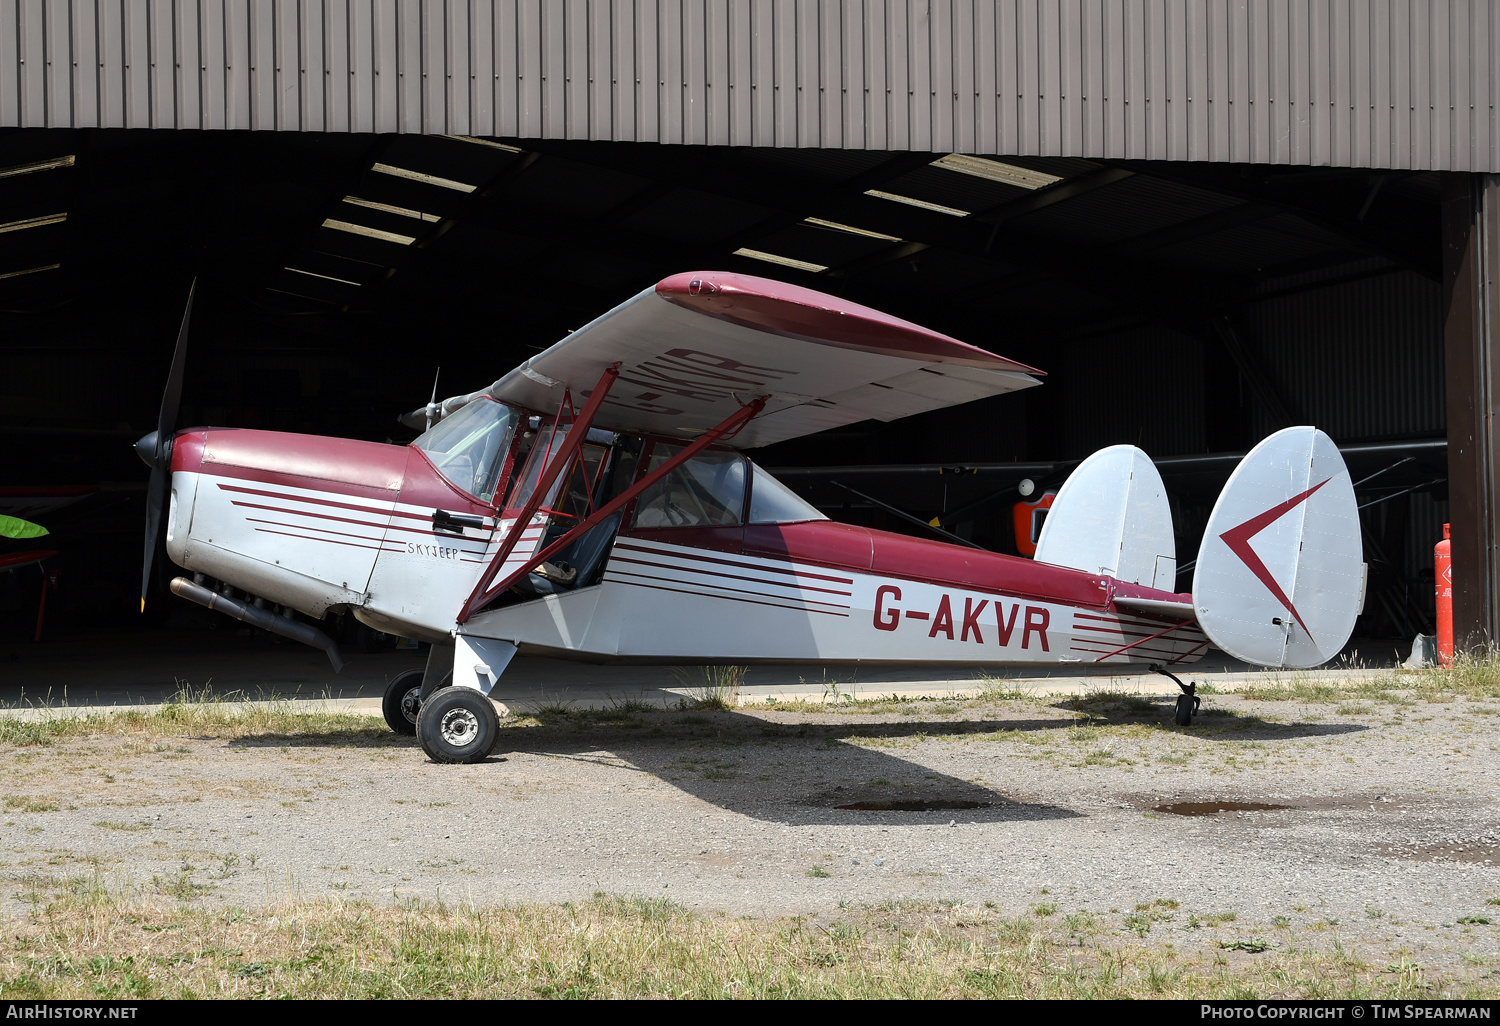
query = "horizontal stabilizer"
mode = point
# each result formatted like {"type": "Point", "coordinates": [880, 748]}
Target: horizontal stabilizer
{"type": "Point", "coordinates": [1157, 607]}
{"type": "Point", "coordinates": [1280, 575]}
{"type": "Point", "coordinates": [1111, 517]}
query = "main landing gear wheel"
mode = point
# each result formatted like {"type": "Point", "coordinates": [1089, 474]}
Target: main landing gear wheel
{"type": "Point", "coordinates": [404, 697]}
{"type": "Point", "coordinates": [402, 701]}
{"type": "Point", "coordinates": [458, 725]}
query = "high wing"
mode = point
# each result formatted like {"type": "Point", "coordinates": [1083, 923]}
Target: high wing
{"type": "Point", "coordinates": [697, 346]}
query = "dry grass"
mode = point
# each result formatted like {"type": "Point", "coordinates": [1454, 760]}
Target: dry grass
{"type": "Point", "coordinates": [189, 712]}
{"type": "Point", "coordinates": [84, 941]}
{"type": "Point", "coordinates": [1471, 676]}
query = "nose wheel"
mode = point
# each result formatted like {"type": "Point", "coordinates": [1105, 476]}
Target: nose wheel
{"type": "Point", "coordinates": [458, 725]}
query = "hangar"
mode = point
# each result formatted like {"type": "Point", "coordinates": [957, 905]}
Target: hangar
{"type": "Point", "coordinates": [1204, 221]}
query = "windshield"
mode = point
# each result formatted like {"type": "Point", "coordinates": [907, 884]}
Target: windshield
{"type": "Point", "coordinates": [470, 446]}
{"type": "Point", "coordinates": [772, 502]}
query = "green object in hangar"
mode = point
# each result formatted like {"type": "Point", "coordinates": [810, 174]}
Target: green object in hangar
{"type": "Point", "coordinates": [15, 527]}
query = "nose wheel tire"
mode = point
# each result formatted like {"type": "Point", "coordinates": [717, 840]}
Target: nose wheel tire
{"type": "Point", "coordinates": [458, 725]}
{"type": "Point", "coordinates": [402, 701]}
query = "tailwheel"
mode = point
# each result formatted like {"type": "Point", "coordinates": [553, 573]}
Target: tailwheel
{"type": "Point", "coordinates": [1187, 702]}
{"type": "Point", "coordinates": [1186, 706]}
{"type": "Point", "coordinates": [402, 701]}
{"type": "Point", "coordinates": [458, 725]}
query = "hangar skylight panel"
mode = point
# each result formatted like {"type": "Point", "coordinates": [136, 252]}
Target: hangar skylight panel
{"type": "Point", "coordinates": [30, 270]}
{"type": "Point", "coordinates": [389, 208]}
{"type": "Point", "coordinates": [850, 229]}
{"type": "Point", "coordinates": [491, 143]}
{"type": "Point", "coordinates": [912, 201]}
{"type": "Point", "coordinates": [325, 277]}
{"type": "Point", "coordinates": [996, 171]}
{"type": "Point", "coordinates": [783, 261]}
{"type": "Point", "coordinates": [423, 177]}
{"type": "Point", "coordinates": [32, 222]}
{"type": "Point", "coordinates": [39, 165]}
{"type": "Point", "coordinates": [367, 232]}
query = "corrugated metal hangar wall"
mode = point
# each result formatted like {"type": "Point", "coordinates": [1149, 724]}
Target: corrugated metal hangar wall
{"type": "Point", "coordinates": [1362, 83]}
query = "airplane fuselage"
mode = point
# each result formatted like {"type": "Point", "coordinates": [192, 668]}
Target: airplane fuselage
{"type": "Point", "coordinates": [316, 523]}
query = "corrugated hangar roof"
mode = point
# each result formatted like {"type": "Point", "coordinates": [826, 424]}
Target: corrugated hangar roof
{"type": "Point", "coordinates": [371, 225]}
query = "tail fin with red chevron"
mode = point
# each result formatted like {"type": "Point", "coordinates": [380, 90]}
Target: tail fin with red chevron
{"type": "Point", "coordinates": [1280, 576]}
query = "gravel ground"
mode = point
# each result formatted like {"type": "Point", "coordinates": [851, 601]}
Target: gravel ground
{"type": "Point", "coordinates": [1387, 838]}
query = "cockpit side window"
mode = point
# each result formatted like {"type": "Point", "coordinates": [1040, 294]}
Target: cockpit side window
{"type": "Point", "coordinates": [706, 491]}
{"type": "Point", "coordinates": [471, 447]}
{"type": "Point", "coordinates": [575, 493]}
{"type": "Point", "coordinates": [548, 439]}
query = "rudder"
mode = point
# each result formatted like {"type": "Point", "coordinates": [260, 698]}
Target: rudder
{"type": "Point", "coordinates": [1280, 574]}
{"type": "Point", "coordinates": [1112, 517]}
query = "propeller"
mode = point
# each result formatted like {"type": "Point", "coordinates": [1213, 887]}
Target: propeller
{"type": "Point", "coordinates": [156, 448]}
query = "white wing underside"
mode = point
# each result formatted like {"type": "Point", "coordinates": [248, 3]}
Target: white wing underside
{"type": "Point", "coordinates": [687, 362]}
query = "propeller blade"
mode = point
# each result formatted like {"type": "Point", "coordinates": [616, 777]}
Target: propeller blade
{"type": "Point", "coordinates": [166, 423]}
{"type": "Point", "coordinates": [167, 419]}
{"type": "Point", "coordinates": [160, 481]}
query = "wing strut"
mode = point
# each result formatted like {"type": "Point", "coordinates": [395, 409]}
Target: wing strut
{"type": "Point", "coordinates": [484, 594]}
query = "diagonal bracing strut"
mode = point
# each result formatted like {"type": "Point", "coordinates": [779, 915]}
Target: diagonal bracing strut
{"type": "Point", "coordinates": [556, 463]}
{"type": "Point", "coordinates": [483, 594]}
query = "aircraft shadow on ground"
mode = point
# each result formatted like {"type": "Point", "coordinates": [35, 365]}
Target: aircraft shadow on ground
{"type": "Point", "coordinates": [1214, 724]}
{"type": "Point", "coordinates": [801, 773]}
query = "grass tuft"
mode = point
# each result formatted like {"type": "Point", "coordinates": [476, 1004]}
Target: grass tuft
{"type": "Point", "coordinates": [714, 688]}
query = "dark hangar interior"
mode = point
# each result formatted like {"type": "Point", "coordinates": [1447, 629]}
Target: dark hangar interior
{"type": "Point", "coordinates": [1188, 308]}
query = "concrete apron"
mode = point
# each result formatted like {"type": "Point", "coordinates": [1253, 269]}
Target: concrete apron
{"type": "Point", "coordinates": [611, 687]}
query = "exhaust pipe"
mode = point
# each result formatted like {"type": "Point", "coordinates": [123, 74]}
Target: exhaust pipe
{"type": "Point", "coordinates": [262, 618]}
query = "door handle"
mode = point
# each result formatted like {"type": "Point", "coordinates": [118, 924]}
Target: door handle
{"type": "Point", "coordinates": [454, 523]}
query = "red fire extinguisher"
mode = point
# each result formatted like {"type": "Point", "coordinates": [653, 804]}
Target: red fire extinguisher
{"type": "Point", "coordinates": [1443, 565]}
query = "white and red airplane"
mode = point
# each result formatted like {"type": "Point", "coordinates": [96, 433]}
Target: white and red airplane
{"type": "Point", "coordinates": [593, 504]}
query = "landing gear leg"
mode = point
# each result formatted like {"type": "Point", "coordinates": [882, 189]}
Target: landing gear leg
{"type": "Point", "coordinates": [439, 672]}
{"type": "Point", "coordinates": [458, 723]}
{"type": "Point", "coordinates": [1187, 702]}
